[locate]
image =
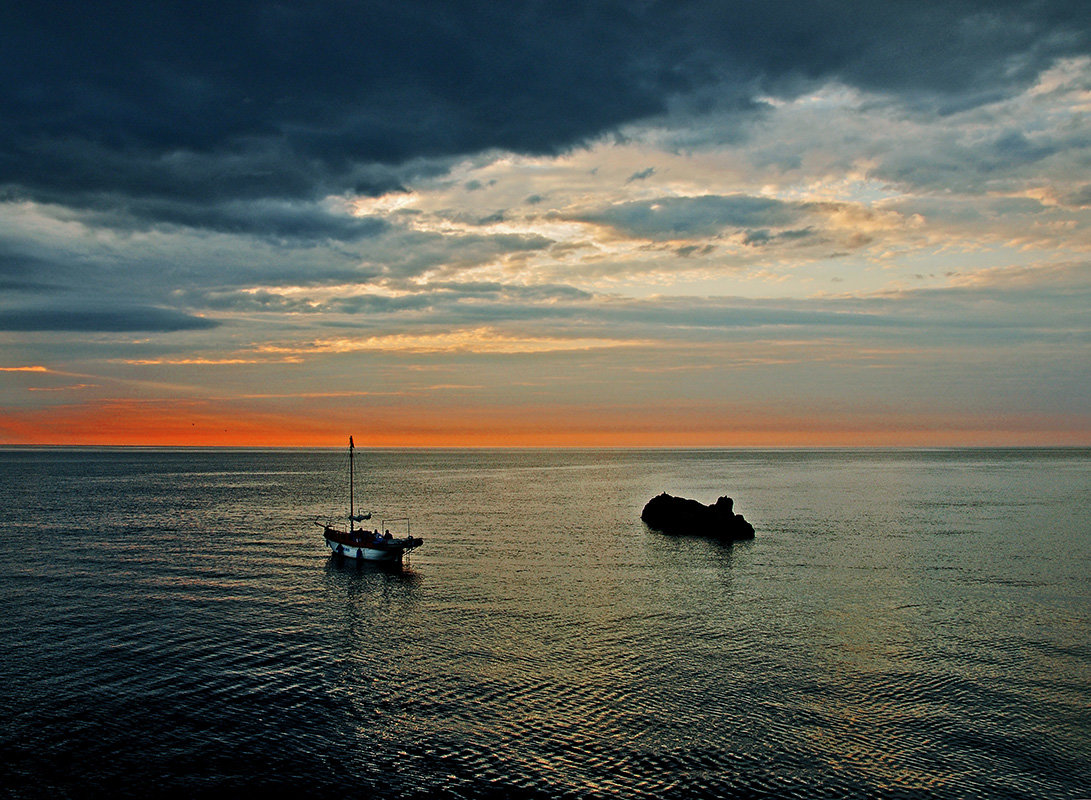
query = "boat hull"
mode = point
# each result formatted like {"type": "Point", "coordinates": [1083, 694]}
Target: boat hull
{"type": "Point", "coordinates": [355, 546]}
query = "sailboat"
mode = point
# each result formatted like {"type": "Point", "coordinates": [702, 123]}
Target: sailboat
{"type": "Point", "coordinates": [363, 544]}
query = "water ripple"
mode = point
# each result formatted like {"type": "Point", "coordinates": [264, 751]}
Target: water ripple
{"type": "Point", "coordinates": [188, 635]}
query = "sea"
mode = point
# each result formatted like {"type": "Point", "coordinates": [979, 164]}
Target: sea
{"type": "Point", "coordinates": [905, 624]}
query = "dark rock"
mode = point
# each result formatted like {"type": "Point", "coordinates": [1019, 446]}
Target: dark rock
{"type": "Point", "coordinates": [677, 515]}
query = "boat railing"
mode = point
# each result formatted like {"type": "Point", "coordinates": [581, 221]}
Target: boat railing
{"type": "Point", "coordinates": [383, 524]}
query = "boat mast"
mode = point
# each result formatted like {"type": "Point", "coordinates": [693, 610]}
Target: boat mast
{"type": "Point", "coordinates": [352, 476]}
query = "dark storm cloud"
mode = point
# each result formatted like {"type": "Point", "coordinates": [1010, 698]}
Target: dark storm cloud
{"type": "Point", "coordinates": [138, 319]}
{"type": "Point", "coordinates": [229, 100]}
{"type": "Point", "coordinates": [22, 272]}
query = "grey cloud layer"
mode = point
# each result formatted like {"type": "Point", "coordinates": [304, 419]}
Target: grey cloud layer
{"type": "Point", "coordinates": [133, 319]}
{"type": "Point", "coordinates": [1010, 306]}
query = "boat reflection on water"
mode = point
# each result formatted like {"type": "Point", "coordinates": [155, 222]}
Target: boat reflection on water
{"type": "Point", "coordinates": [361, 593]}
{"type": "Point", "coordinates": [336, 564]}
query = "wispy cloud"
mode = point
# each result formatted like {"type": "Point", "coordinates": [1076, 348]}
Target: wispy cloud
{"type": "Point", "coordinates": [202, 362]}
{"type": "Point", "coordinates": [482, 340]}
{"type": "Point", "coordinates": [75, 387]}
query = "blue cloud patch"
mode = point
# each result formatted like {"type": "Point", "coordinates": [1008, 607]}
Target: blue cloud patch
{"type": "Point", "coordinates": [696, 217]}
{"type": "Point", "coordinates": [145, 318]}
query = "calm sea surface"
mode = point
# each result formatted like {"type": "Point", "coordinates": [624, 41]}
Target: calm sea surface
{"type": "Point", "coordinates": [906, 624]}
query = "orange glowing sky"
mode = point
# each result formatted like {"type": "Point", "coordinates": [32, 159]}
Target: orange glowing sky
{"type": "Point", "coordinates": [170, 423]}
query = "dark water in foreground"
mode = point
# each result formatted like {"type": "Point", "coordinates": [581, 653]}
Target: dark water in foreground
{"type": "Point", "coordinates": [905, 624]}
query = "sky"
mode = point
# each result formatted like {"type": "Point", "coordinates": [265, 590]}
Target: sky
{"type": "Point", "coordinates": [474, 223]}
